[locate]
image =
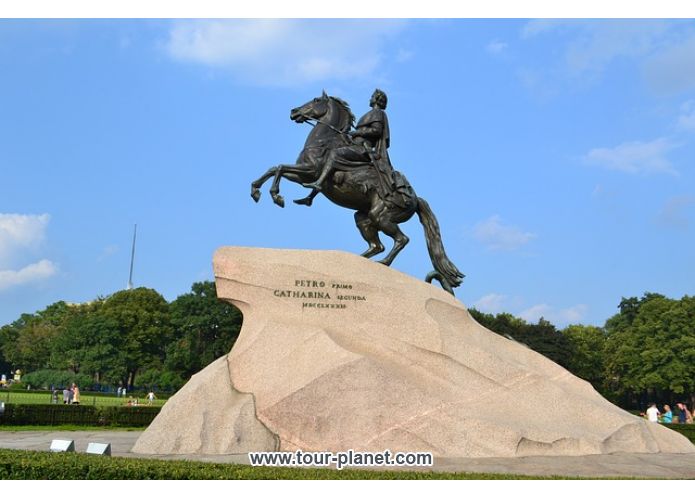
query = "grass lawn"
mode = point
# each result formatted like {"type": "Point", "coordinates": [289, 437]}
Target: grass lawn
{"type": "Point", "coordinates": [42, 398]}
{"type": "Point", "coordinates": [17, 464]}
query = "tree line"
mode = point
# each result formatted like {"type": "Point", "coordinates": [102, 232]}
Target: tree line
{"type": "Point", "coordinates": [133, 337]}
{"type": "Point", "coordinates": [644, 353]}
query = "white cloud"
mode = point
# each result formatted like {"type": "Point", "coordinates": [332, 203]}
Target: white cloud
{"type": "Point", "coordinates": [20, 237]}
{"type": "Point", "coordinates": [534, 313]}
{"type": "Point", "coordinates": [107, 252]}
{"type": "Point", "coordinates": [662, 50]}
{"type": "Point", "coordinates": [686, 120]}
{"type": "Point", "coordinates": [674, 212]}
{"type": "Point", "coordinates": [32, 273]}
{"type": "Point", "coordinates": [635, 157]}
{"type": "Point", "coordinates": [598, 191]}
{"type": "Point", "coordinates": [574, 314]}
{"type": "Point", "coordinates": [284, 51]}
{"type": "Point", "coordinates": [538, 26]}
{"type": "Point", "coordinates": [672, 69]}
{"type": "Point", "coordinates": [498, 236]}
{"type": "Point", "coordinates": [490, 303]}
{"type": "Point", "coordinates": [594, 44]}
{"type": "Point", "coordinates": [496, 47]}
{"type": "Point", "coordinates": [494, 303]}
{"type": "Point", "coordinates": [19, 232]}
{"type": "Point", "coordinates": [607, 41]}
{"type": "Point", "coordinates": [559, 317]}
{"type": "Point", "coordinates": [404, 55]}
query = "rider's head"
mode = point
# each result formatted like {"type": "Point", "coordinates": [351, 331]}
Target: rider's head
{"type": "Point", "coordinates": [379, 97]}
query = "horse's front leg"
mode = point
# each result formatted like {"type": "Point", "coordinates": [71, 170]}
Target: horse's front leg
{"type": "Point", "coordinates": [256, 185]}
{"type": "Point", "coordinates": [280, 172]}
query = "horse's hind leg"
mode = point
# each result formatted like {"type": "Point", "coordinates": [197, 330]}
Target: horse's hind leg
{"type": "Point", "coordinates": [400, 240]}
{"type": "Point", "coordinates": [370, 234]}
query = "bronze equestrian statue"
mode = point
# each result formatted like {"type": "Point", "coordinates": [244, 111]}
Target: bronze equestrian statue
{"type": "Point", "coordinates": [352, 169]}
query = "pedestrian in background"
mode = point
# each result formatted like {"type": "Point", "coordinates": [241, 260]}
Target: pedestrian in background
{"type": "Point", "coordinates": [684, 415]}
{"type": "Point", "coordinates": [667, 417]}
{"type": "Point", "coordinates": [75, 394]}
{"type": "Point", "coordinates": [680, 409]}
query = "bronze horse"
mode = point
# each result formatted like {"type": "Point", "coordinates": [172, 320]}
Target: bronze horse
{"type": "Point", "coordinates": [357, 188]}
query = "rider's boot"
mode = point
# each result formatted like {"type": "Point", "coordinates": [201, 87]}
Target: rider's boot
{"type": "Point", "coordinates": [309, 199]}
{"type": "Point", "coordinates": [318, 185]}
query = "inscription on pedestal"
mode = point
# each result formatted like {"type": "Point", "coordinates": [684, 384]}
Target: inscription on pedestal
{"type": "Point", "coordinates": [320, 294]}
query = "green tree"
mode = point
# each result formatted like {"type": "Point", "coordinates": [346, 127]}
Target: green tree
{"type": "Point", "coordinates": [588, 353]}
{"type": "Point", "coordinates": [629, 309]}
{"type": "Point", "coordinates": [138, 321]}
{"type": "Point", "coordinates": [27, 342]}
{"type": "Point", "coordinates": [205, 327]}
{"type": "Point", "coordinates": [156, 379]}
{"type": "Point", "coordinates": [88, 344]}
{"type": "Point", "coordinates": [44, 379]}
{"type": "Point", "coordinates": [542, 337]}
{"type": "Point", "coordinates": [503, 323]}
{"type": "Point", "coordinates": [5, 366]}
{"type": "Point", "coordinates": [652, 348]}
{"type": "Point", "coordinates": [545, 338]}
{"type": "Point", "coordinates": [8, 333]}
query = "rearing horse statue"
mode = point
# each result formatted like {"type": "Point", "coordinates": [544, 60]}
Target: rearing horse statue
{"type": "Point", "coordinates": [357, 188]}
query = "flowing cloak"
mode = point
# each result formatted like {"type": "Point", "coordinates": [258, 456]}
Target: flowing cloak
{"type": "Point", "coordinates": [393, 186]}
{"type": "Point", "coordinates": [380, 155]}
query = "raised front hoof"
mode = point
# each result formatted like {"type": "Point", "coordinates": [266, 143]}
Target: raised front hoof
{"type": "Point", "coordinates": [279, 200]}
{"type": "Point", "coordinates": [255, 194]}
{"type": "Point", "coordinates": [304, 201]}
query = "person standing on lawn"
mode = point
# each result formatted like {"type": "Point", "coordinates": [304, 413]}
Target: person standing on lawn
{"type": "Point", "coordinates": [75, 394]}
{"type": "Point", "coordinates": [653, 413]}
{"type": "Point", "coordinates": [667, 416]}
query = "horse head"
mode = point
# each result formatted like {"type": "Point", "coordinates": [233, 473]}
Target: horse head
{"type": "Point", "coordinates": [325, 109]}
{"type": "Point", "coordinates": [312, 110]}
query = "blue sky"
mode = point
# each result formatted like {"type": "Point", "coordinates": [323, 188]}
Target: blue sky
{"type": "Point", "coordinates": [557, 155]}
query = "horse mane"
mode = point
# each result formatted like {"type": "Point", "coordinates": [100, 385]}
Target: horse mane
{"type": "Point", "coordinates": [348, 118]}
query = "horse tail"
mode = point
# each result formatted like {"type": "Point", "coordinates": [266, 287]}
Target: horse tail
{"type": "Point", "coordinates": [445, 270]}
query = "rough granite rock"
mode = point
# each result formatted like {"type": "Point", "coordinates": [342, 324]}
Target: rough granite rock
{"type": "Point", "coordinates": [208, 417]}
{"type": "Point", "coordinates": [338, 352]}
